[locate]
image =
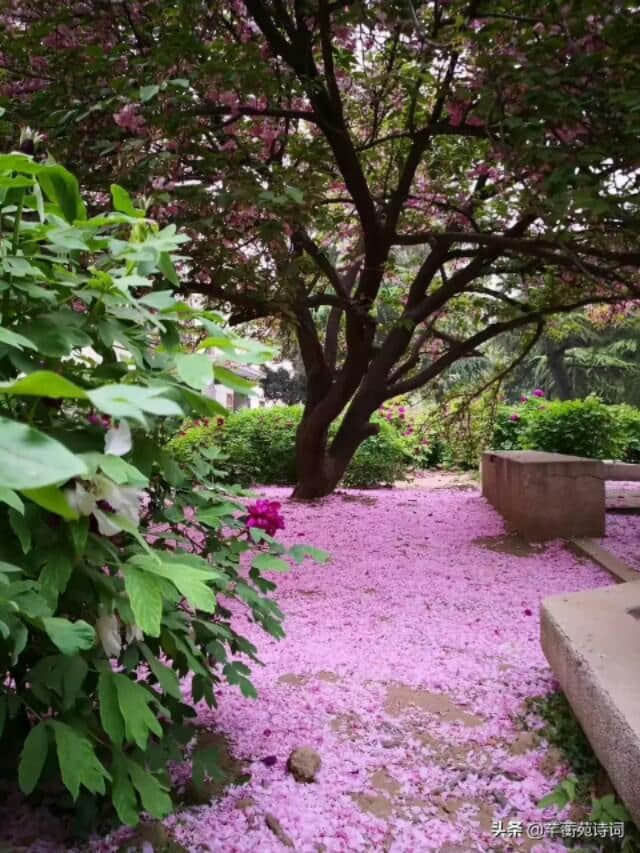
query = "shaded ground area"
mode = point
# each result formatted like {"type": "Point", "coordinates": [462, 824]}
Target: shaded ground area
{"type": "Point", "coordinates": [407, 664]}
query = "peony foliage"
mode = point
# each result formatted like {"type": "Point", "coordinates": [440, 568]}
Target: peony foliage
{"type": "Point", "coordinates": [117, 566]}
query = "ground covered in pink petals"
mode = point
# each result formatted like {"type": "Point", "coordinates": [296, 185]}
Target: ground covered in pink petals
{"type": "Point", "coordinates": [406, 666]}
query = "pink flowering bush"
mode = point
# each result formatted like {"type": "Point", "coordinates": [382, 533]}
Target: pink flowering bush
{"type": "Point", "coordinates": [417, 430]}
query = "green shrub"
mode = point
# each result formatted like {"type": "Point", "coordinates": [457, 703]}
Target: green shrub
{"type": "Point", "coordinates": [112, 557]}
{"type": "Point", "coordinates": [576, 427]}
{"type": "Point", "coordinates": [465, 433]}
{"type": "Point", "coordinates": [380, 460]}
{"type": "Point", "coordinates": [258, 446]}
{"type": "Point", "coordinates": [628, 420]}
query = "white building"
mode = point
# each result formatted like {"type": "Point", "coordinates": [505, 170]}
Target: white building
{"type": "Point", "coordinates": [234, 400]}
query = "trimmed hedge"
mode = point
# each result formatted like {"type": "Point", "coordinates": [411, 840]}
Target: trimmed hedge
{"type": "Point", "coordinates": [259, 447]}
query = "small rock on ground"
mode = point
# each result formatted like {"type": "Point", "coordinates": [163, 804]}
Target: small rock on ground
{"type": "Point", "coordinates": [303, 764]}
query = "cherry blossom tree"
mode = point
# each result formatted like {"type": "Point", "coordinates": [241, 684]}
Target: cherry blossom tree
{"type": "Point", "coordinates": [400, 182]}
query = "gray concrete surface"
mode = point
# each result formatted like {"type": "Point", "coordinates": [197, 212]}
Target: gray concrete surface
{"type": "Point", "coordinates": [592, 642]}
{"type": "Point", "coordinates": [546, 495]}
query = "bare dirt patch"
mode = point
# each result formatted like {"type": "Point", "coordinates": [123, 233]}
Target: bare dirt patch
{"type": "Point", "coordinates": [326, 675]}
{"type": "Point", "coordinates": [509, 543]}
{"type": "Point", "coordinates": [375, 804]}
{"type": "Point", "coordinates": [293, 680]}
{"type": "Point", "coordinates": [382, 780]}
{"type": "Point", "coordinates": [441, 480]}
{"type": "Point", "coordinates": [401, 698]}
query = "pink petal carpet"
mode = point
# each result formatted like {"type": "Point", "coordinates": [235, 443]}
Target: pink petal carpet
{"type": "Point", "coordinates": [407, 664]}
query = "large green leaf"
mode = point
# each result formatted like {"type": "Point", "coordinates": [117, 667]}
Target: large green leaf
{"type": "Point", "coordinates": [139, 719]}
{"type": "Point", "coordinates": [131, 401]}
{"type": "Point", "coordinates": [33, 757]}
{"type": "Point", "coordinates": [55, 575]}
{"type": "Point", "coordinates": [69, 637]}
{"type": "Point", "coordinates": [195, 370]}
{"type": "Point", "coordinates": [29, 459]}
{"type": "Point", "coordinates": [146, 94]}
{"type": "Point", "coordinates": [19, 163]}
{"type": "Point", "coordinates": [192, 583]}
{"type": "Point", "coordinates": [21, 528]}
{"type": "Point", "coordinates": [79, 764]}
{"type": "Point", "coordinates": [13, 339]}
{"type": "Point", "coordinates": [122, 201]}
{"type": "Point", "coordinates": [44, 383]}
{"type": "Point", "coordinates": [61, 187]}
{"type": "Point", "coordinates": [53, 499]}
{"type": "Point", "coordinates": [154, 797]}
{"type": "Point", "coordinates": [299, 552]}
{"type": "Point", "coordinates": [145, 598]}
{"type": "Point", "coordinates": [9, 497]}
{"type": "Point", "coordinates": [167, 678]}
{"type": "Point", "coordinates": [120, 471]}
{"type": "Point", "coordinates": [122, 791]}
{"type": "Point", "coordinates": [269, 563]}
{"type": "Point", "coordinates": [110, 715]}
{"type": "Point", "coordinates": [233, 381]}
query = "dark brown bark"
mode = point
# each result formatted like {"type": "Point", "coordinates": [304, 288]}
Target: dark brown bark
{"type": "Point", "coordinates": [558, 368]}
{"type": "Point", "coordinates": [321, 465]}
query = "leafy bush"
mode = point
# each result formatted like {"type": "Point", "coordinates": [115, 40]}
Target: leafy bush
{"type": "Point", "coordinates": [259, 446]}
{"type": "Point", "coordinates": [628, 423]}
{"type": "Point", "coordinates": [576, 427]}
{"type": "Point", "coordinates": [381, 459]}
{"type": "Point", "coordinates": [111, 560]}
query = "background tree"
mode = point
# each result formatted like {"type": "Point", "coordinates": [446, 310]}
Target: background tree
{"type": "Point", "coordinates": [584, 354]}
{"type": "Point", "coordinates": [281, 385]}
{"type": "Point", "coordinates": [318, 140]}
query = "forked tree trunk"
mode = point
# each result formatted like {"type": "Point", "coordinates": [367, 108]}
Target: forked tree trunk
{"type": "Point", "coordinates": [321, 464]}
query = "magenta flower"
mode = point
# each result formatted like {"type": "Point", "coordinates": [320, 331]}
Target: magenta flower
{"type": "Point", "coordinates": [265, 515]}
{"type": "Point", "coordinates": [514, 416]}
{"type": "Point", "coordinates": [523, 398]}
{"type": "Point", "coordinates": [538, 392]}
{"type": "Point", "coordinates": [95, 419]}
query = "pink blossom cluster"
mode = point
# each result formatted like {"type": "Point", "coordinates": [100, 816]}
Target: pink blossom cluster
{"type": "Point", "coordinates": [266, 515]}
{"type": "Point", "coordinates": [128, 118]}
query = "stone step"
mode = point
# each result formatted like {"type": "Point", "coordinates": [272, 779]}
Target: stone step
{"type": "Point", "coordinates": [592, 642]}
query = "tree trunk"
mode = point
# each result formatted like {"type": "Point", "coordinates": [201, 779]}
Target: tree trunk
{"type": "Point", "coordinates": [560, 374]}
{"type": "Point", "coordinates": [321, 466]}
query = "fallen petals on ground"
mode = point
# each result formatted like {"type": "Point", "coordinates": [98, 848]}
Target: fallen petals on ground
{"type": "Point", "coordinates": [407, 664]}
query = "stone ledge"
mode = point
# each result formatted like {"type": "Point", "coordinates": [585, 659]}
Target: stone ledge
{"type": "Point", "coordinates": [622, 572]}
{"type": "Point", "coordinates": [625, 471]}
{"type": "Point", "coordinates": [592, 642]}
{"type": "Point", "coordinates": [546, 495]}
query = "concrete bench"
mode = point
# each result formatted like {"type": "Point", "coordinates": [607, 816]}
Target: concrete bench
{"type": "Point", "coordinates": [592, 642]}
{"type": "Point", "coordinates": [546, 495]}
